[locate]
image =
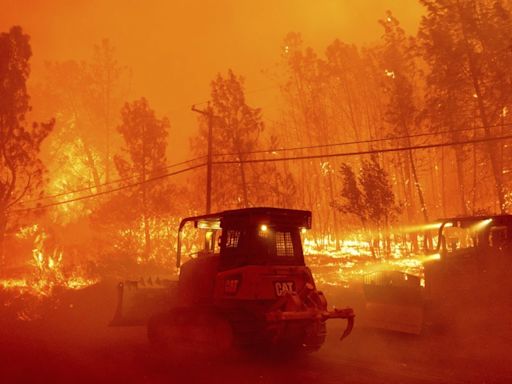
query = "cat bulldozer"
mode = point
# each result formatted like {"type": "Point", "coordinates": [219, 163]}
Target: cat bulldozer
{"type": "Point", "coordinates": [468, 276]}
{"type": "Point", "coordinates": [248, 287]}
{"type": "Point", "coordinates": [466, 279]}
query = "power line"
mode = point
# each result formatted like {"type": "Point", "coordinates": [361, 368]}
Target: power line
{"type": "Point", "coordinates": [368, 152]}
{"type": "Point", "coordinates": [110, 190]}
{"type": "Point", "coordinates": [305, 157]}
{"type": "Point", "coordinates": [369, 141]}
{"type": "Point", "coordinates": [47, 197]}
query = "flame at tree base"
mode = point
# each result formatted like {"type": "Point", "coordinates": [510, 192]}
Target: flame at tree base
{"type": "Point", "coordinates": [43, 275]}
{"type": "Point", "coordinates": [347, 263]}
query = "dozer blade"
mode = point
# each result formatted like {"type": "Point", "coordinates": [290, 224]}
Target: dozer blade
{"type": "Point", "coordinates": [393, 317]}
{"type": "Point", "coordinates": [138, 300]}
{"type": "Point", "coordinates": [394, 302]}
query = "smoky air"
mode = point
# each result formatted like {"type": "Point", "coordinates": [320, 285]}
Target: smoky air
{"type": "Point", "coordinates": [256, 192]}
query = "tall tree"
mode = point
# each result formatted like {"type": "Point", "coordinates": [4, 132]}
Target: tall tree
{"type": "Point", "coordinates": [67, 93]}
{"type": "Point", "coordinates": [82, 95]}
{"type": "Point", "coordinates": [369, 197]}
{"type": "Point", "coordinates": [21, 170]}
{"type": "Point", "coordinates": [399, 69]}
{"type": "Point", "coordinates": [236, 131]}
{"type": "Point", "coordinates": [306, 90]}
{"type": "Point", "coordinates": [378, 193]}
{"type": "Point", "coordinates": [352, 199]}
{"type": "Point", "coordinates": [145, 139]}
{"type": "Point", "coordinates": [467, 44]}
{"type": "Point", "coordinates": [277, 184]}
{"type": "Point", "coordinates": [106, 92]}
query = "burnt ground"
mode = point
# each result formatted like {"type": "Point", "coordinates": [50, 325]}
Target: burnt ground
{"type": "Point", "coordinates": [70, 342]}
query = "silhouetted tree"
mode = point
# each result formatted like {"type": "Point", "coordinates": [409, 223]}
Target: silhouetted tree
{"type": "Point", "coordinates": [145, 142]}
{"type": "Point", "coordinates": [352, 199]}
{"type": "Point", "coordinates": [369, 196]}
{"type": "Point", "coordinates": [377, 193]}
{"type": "Point", "coordinates": [467, 45]}
{"type": "Point", "coordinates": [278, 187]}
{"type": "Point", "coordinates": [107, 90]}
{"type": "Point", "coordinates": [67, 93]}
{"type": "Point", "coordinates": [306, 91]}
{"type": "Point", "coordinates": [82, 95]}
{"type": "Point", "coordinates": [236, 130]}
{"type": "Point", "coordinates": [400, 72]}
{"type": "Point", "coordinates": [21, 170]}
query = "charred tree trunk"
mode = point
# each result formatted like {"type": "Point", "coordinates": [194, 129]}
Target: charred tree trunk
{"type": "Point", "coordinates": [491, 149]}
{"type": "Point", "coordinates": [3, 227]}
{"type": "Point", "coordinates": [418, 187]}
{"type": "Point", "coordinates": [475, 165]}
{"type": "Point", "coordinates": [443, 183]}
{"type": "Point", "coordinates": [90, 162]}
{"type": "Point", "coordinates": [147, 233]}
{"type": "Point", "coordinates": [92, 166]}
{"type": "Point", "coordinates": [476, 83]}
{"type": "Point", "coordinates": [312, 177]}
{"type": "Point", "coordinates": [244, 183]}
{"type": "Point", "coordinates": [406, 182]}
{"type": "Point", "coordinates": [459, 160]}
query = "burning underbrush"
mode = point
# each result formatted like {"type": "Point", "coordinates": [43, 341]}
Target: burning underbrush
{"type": "Point", "coordinates": [49, 274]}
{"type": "Point", "coordinates": [346, 264]}
{"type": "Point", "coordinates": [26, 290]}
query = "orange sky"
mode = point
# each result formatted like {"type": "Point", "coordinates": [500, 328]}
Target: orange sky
{"type": "Point", "coordinates": [175, 48]}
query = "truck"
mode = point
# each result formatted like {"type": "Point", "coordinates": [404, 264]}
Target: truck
{"type": "Point", "coordinates": [249, 287]}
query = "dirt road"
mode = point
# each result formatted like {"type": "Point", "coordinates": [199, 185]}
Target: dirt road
{"type": "Point", "coordinates": [75, 345]}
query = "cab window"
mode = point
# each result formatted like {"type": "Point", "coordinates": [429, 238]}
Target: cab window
{"type": "Point", "coordinates": [458, 238]}
{"type": "Point", "coordinates": [279, 246]}
{"type": "Point", "coordinates": [498, 236]}
{"type": "Point", "coordinates": [232, 238]}
{"type": "Point", "coordinates": [284, 244]}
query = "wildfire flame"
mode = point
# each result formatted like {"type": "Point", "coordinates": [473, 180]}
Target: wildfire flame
{"type": "Point", "coordinates": [47, 269]}
{"type": "Point", "coordinates": [354, 258]}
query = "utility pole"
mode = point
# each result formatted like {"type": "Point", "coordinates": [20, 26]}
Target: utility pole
{"type": "Point", "coordinates": [208, 112]}
{"type": "Point", "coordinates": [147, 234]}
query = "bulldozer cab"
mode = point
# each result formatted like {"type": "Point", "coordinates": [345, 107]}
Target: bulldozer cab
{"type": "Point", "coordinates": [252, 236]}
{"type": "Point", "coordinates": [473, 260]}
{"type": "Point", "coordinates": [482, 237]}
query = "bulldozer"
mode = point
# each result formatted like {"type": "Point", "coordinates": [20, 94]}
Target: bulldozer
{"type": "Point", "coordinates": [466, 277]}
{"type": "Point", "coordinates": [469, 269]}
{"type": "Point", "coordinates": [248, 287]}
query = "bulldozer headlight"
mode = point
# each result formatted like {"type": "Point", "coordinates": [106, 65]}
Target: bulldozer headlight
{"type": "Point", "coordinates": [433, 257]}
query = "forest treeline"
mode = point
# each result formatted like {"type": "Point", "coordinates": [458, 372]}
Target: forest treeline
{"type": "Point", "coordinates": [403, 131]}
